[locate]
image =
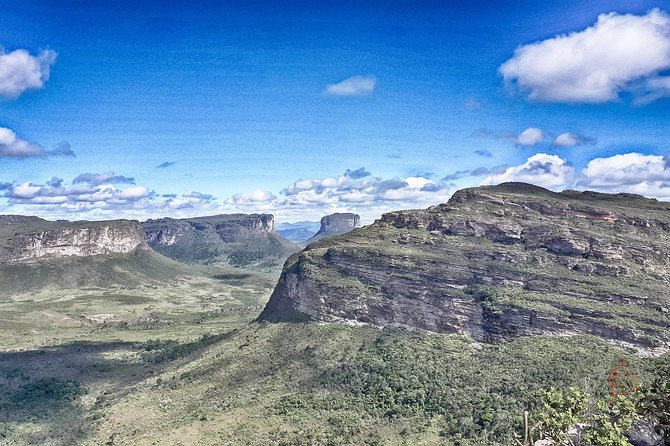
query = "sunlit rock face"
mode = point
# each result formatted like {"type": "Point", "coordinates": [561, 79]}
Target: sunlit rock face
{"type": "Point", "coordinates": [31, 239]}
{"type": "Point", "coordinates": [496, 262]}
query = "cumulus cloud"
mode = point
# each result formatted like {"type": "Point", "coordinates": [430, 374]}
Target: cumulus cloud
{"type": "Point", "coordinates": [530, 137]}
{"type": "Point", "coordinates": [353, 86]}
{"type": "Point", "coordinates": [571, 140]}
{"type": "Point", "coordinates": [95, 198]}
{"type": "Point", "coordinates": [165, 165]}
{"type": "Point", "coordinates": [633, 172]}
{"type": "Point", "coordinates": [353, 191]}
{"type": "Point", "coordinates": [619, 52]}
{"type": "Point", "coordinates": [625, 169]}
{"type": "Point", "coordinates": [102, 178]}
{"type": "Point", "coordinates": [258, 196]}
{"type": "Point", "coordinates": [21, 71]}
{"type": "Point", "coordinates": [540, 169]}
{"type": "Point", "coordinates": [13, 146]}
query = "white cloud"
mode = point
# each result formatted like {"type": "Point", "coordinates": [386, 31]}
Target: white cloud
{"type": "Point", "coordinates": [541, 169]}
{"type": "Point", "coordinates": [21, 71]}
{"type": "Point", "coordinates": [353, 86]}
{"type": "Point", "coordinates": [11, 145]}
{"type": "Point", "coordinates": [258, 196]}
{"type": "Point", "coordinates": [624, 170]}
{"type": "Point", "coordinates": [647, 175]}
{"type": "Point", "coordinates": [596, 64]}
{"type": "Point", "coordinates": [566, 140]}
{"type": "Point", "coordinates": [530, 137]}
{"type": "Point", "coordinates": [133, 193]}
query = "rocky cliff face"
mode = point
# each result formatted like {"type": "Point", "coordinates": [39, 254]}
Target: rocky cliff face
{"type": "Point", "coordinates": [238, 239]}
{"type": "Point", "coordinates": [336, 224]}
{"type": "Point", "coordinates": [496, 262]}
{"type": "Point", "coordinates": [31, 239]}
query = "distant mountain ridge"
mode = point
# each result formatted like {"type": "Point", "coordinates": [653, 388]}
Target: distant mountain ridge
{"type": "Point", "coordinates": [235, 239]}
{"type": "Point", "coordinates": [494, 263]}
{"type": "Point", "coordinates": [299, 231]}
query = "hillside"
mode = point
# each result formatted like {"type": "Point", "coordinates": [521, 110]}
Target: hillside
{"type": "Point", "coordinates": [496, 262]}
{"type": "Point", "coordinates": [37, 254]}
{"type": "Point", "coordinates": [236, 239]}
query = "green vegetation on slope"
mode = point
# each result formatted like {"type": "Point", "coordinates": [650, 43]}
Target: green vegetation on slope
{"type": "Point", "coordinates": [292, 384]}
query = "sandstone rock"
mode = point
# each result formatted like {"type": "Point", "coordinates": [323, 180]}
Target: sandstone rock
{"type": "Point", "coordinates": [31, 239]}
{"type": "Point", "coordinates": [237, 239]}
{"type": "Point", "coordinates": [336, 224]}
{"type": "Point", "coordinates": [553, 263]}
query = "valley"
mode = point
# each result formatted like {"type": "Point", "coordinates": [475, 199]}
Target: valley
{"type": "Point", "coordinates": [409, 331]}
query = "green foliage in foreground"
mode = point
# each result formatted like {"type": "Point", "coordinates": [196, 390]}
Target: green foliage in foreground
{"type": "Point", "coordinates": [572, 417]}
{"type": "Point", "coordinates": [301, 384]}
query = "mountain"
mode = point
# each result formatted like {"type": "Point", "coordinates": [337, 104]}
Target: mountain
{"type": "Point", "coordinates": [236, 239]}
{"type": "Point", "coordinates": [26, 239]}
{"type": "Point", "coordinates": [336, 224]}
{"type": "Point", "coordinates": [37, 253]}
{"type": "Point", "coordinates": [496, 262]}
{"type": "Point", "coordinates": [298, 232]}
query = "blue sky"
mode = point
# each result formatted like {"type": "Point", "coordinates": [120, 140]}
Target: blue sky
{"type": "Point", "coordinates": [264, 106]}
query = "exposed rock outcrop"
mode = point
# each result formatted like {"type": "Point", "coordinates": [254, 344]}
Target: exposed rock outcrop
{"type": "Point", "coordinates": [32, 239]}
{"type": "Point", "coordinates": [336, 224]}
{"type": "Point", "coordinates": [236, 239]}
{"type": "Point", "coordinates": [496, 262]}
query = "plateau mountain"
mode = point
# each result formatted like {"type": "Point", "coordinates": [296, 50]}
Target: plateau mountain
{"type": "Point", "coordinates": [495, 263]}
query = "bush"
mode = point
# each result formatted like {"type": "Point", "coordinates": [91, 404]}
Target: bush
{"type": "Point", "coordinates": [45, 390]}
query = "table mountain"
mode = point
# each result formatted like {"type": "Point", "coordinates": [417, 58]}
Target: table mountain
{"type": "Point", "coordinates": [236, 239]}
{"type": "Point", "coordinates": [336, 224]}
{"type": "Point", "coordinates": [25, 239]}
{"type": "Point", "coordinates": [36, 253]}
{"type": "Point", "coordinates": [496, 262]}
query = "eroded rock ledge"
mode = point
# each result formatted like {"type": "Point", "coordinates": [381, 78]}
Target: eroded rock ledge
{"type": "Point", "coordinates": [496, 262]}
{"type": "Point", "coordinates": [32, 239]}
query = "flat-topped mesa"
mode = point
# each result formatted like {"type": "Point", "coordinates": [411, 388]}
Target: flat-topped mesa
{"type": "Point", "coordinates": [496, 262]}
{"type": "Point", "coordinates": [31, 239]}
{"type": "Point", "coordinates": [238, 239]}
{"type": "Point", "coordinates": [336, 224]}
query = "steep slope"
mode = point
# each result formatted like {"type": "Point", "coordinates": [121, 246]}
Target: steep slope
{"type": "Point", "coordinates": [496, 262]}
{"type": "Point", "coordinates": [37, 253]}
{"type": "Point", "coordinates": [336, 224]}
{"type": "Point", "coordinates": [299, 231]}
{"type": "Point", "coordinates": [236, 239]}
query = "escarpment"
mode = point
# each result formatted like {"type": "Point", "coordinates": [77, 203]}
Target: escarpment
{"type": "Point", "coordinates": [336, 224]}
{"type": "Point", "coordinates": [496, 262]}
{"type": "Point", "coordinates": [31, 239]}
{"type": "Point", "coordinates": [236, 239]}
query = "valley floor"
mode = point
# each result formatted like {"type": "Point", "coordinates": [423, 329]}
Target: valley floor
{"type": "Point", "coordinates": [183, 364]}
